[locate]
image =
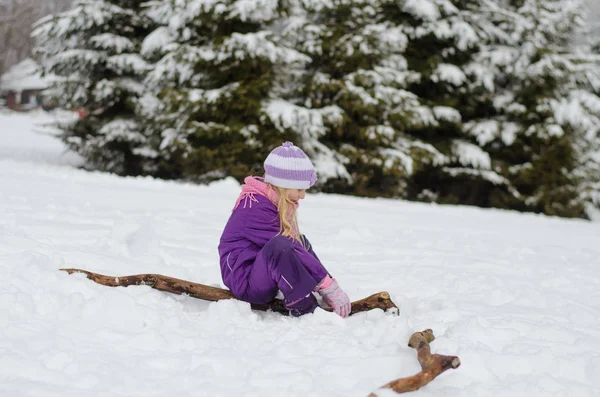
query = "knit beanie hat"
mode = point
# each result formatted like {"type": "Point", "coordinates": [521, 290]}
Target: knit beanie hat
{"type": "Point", "coordinates": [287, 166]}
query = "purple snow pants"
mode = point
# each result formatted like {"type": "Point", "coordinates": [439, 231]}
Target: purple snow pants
{"type": "Point", "coordinates": [280, 266]}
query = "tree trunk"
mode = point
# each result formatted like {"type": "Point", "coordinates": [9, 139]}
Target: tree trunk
{"type": "Point", "coordinates": [431, 365]}
{"type": "Point", "coordinates": [380, 300]}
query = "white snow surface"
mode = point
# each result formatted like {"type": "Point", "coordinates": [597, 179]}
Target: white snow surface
{"type": "Point", "coordinates": [515, 296]}
{"type": "Point", "coordinates": [31, 137]}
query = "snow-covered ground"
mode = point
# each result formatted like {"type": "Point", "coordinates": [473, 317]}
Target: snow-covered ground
{"type": "Point", "coordinates": [515, 296]}
{"type": "Point", "coordinates": [29, 137]}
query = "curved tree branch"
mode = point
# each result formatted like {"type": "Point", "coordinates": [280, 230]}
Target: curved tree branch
{"type": "Point", "coordinates": [380, 300]}
{"type": "Point", "coordinates": [432, 365]}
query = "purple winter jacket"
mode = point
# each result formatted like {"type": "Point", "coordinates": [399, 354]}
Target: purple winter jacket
{"type": "Point", "coordinates": [247, 231]}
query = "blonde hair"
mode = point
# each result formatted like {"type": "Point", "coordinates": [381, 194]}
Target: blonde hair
{"type": "Point", "coordinates": [287, 214]}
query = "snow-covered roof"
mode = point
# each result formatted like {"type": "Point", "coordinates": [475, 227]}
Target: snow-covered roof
{"type": "Point", "coordinates": [26, 75]}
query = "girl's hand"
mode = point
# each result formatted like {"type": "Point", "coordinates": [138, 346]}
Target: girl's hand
{"type": "Point", "coordinates": [335, 297]}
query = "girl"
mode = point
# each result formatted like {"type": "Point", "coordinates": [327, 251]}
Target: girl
{"type": "Point", "coordinates": [261, 249]}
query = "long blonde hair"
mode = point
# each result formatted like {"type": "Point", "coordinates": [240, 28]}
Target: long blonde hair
{"type": "Point", "coordinates": [287, 214]}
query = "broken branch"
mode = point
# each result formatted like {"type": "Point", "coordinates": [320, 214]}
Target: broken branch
{"type": "Point", "coordinates": [379, 300]}
{"type": "Point", "coordinates": [432, 365]}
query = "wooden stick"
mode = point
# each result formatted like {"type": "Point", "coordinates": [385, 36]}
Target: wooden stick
{"type": "Point", "coordinates": [432, 365]}
{"type": "Point", "coordinates": [380, 300]}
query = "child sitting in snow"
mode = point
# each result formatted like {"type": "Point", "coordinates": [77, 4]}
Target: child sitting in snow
{"type": "Point", "coordinates": [261, 249]}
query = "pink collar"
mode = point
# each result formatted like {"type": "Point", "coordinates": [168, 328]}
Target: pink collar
{"type": "Point", "coordinates": [256, 185]}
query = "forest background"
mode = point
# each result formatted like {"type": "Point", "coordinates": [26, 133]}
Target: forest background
{"type": "Point", "coordinates": [487, 103]}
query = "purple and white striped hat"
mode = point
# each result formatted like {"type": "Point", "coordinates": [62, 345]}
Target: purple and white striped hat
{"type": "Point", "coordinates": [289, 167]}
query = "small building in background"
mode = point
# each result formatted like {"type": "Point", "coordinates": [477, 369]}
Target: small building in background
{"type": "Point", "coordinates": [22, 87]}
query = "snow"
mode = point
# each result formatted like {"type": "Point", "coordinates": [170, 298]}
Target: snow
{"type": "Point", "coordinates": [107, 89]}
{"type": "Point", "coordinates": [156, 41]}
{"type": "Point", "coordinates": [258, 45]}
{"type": "Point", "coordinates": [445, 113]}
{"type": "Point", "coordinates": [26, 75]}
{"type": "Point", "coordinates": [484, 131]}
{"type": "Point", "coordinates": [509, 132]}
{"type": "Point", "coordinates": [255, 10]}
{"type": "Point", "coordinates": [79, 57]}
{"type": "Point", "coordinates": [122, 130]}
{"type": "Point", "coordinates": [423, 116]}
{"type": "Point", "coordinates": [452, 28]}
{"type": "Point", "coordinates": [555, 130]}
{"type": "Point", "coordinates": [449, 73]}
{"type": "Point", "coordinates": [365, 96]}
{"type": "Point", "coordinates": [580, 109]}
{"type": "Point", "coordinates": [471, 155]}
{"type": "Point", "coordinates": [392, 39]}
{"type": "Point", "coordinates": [487, 175]}
{"type": "Point", "coordinates": [394, 157]}
{"type": "Point", "coordinates": [127, 63]}
{"type": "Point", "coordinates": [172, 68]}
{"type": "Point", "coordinates": [149, 105]}
{"type": "Point", "coordinates": [488, 130]}
{"type": "Point", "coordinates": [515, 296]}
{"type": "Point", "coordinates": [375, 131]}
{"type": "Point", "coordinates": [312, 123]}
{"type": "Point", "coordinates": [113, 42]}
{"type": "Point", "coordinates": [84, 15]}
{"type": "Point", "coordinates": [31, 137]}
{"type": "Point", "coordinates": [433, 155]}
{"type": "Point", "coordinates": [423, 9]}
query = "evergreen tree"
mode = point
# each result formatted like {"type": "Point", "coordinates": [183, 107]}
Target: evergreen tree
{"type": "Point", "coordinates": [478, 102]}
{"type": "Point", "coordinates": [395, 73]}
{"type": "Point", "coordinates": [539, 118]}
{"type": "Point", "coordinates": [219, 64]}
{"type": "Point", "coordinates": [93, 49]}
{"type": "Point", "coordinates": [471, 102]}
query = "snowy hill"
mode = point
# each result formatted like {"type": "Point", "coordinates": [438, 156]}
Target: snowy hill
{"type": "Point", "coordinates": [515, 296]}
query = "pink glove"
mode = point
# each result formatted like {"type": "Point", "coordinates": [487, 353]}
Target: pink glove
{"type": "Point", "coordinates": [334, 296]}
